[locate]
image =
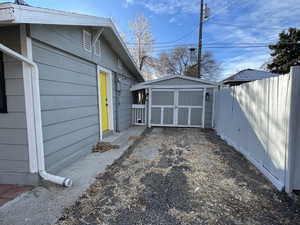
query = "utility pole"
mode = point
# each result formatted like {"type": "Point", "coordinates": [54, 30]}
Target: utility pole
{"type": "Point", "coordinates": [200, 37]}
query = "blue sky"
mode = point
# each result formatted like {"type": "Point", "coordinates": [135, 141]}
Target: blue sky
{"type": "Point", "coordinates": [232, 23]}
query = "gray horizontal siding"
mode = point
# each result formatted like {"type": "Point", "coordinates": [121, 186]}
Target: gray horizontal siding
{"type": "Point", "coordinates": [15, 103]}
{"type": "Point", "coordinates": [62, 115]}
{"type": "Point", "coordinates": [22, 178]}
{"type": "Point", "coordinates": [60, 102]}
{"type": "Point", "coordinates": [69, 97]}
{"type": "Point", "coordinates": [13, 152]}
{"type": "Point", "coordinates": [13, 136]}
{"type": "Point", "coordinates": [62, 75]}
{"type": "Point", "coordinates": [54, 161]}
{"type": "Point", "coordinates": [59, 88]}
{"type": "Point", "coordinates": [61, 60]}
{"type": "Point", "coordinates": [60, 143]}
{"type": "Point", "coordinates": [14, 87]}
{"type": "Point", "coordinates": [13, 121]}
{"type": "Point", "coordinates": [70, 38]}
{"type": "Point", "coordinates": [125, 101]}
{"type": "Point", "coordinates": [14, 164]}
{"type": "Point", "coordinates": [59, 129]}
{"type": "Point", "coordinates": [13, 69]}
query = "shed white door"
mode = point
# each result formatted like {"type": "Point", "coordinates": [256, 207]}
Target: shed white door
{"type": "Point", "coordinates": [177, 107]}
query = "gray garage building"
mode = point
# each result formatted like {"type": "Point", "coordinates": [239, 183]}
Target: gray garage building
{"type": "Point", "coordinates": [174, 101]}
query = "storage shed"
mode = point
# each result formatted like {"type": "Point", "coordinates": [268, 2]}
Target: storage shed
{"type": "Point", "coordinates": [174, 101]}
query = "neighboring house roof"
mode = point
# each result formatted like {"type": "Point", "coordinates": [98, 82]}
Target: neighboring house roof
{"type": "Point", "coordinates": [248, 75]}
{"type": "Point", "coordinates": [19, 14]}
{"type": "Point", "coordinates": [201, 81]}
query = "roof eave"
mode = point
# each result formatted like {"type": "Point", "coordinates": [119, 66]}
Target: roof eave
{"type": "Point", "coordinates": [181, 77]}
{"type": "Point", "coordinates": [7, 15]}
{"type": "Point", "coordinates": [141, 87]}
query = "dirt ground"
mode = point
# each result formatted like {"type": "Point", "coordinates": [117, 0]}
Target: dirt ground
{"type": "Point", "coordinates": [177, 176]}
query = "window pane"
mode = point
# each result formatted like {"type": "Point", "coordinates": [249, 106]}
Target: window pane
{"type": "Point", "coordinates": [162, 98]}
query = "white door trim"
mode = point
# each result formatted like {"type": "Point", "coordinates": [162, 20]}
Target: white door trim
{"type": "Point", "coordinates": [110, 108]}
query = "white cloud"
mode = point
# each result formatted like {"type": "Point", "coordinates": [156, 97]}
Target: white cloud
{"type": "Point", "coordinates": [169, 6]}
{"type": "Point", "coordinates": [128, 2]}
{"type": "Point", "coordinates": [238, 63]}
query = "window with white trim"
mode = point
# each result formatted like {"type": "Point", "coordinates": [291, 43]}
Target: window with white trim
{"type": "Point", "coordinates": [87, 41]}
{"type": "Point", "coordinates": [3, 105]}
{"type": "Point", "coordinates": [98, 48]}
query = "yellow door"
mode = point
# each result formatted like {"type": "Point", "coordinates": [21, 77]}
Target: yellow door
{"type": "Point", "coordinates": [104, 101]}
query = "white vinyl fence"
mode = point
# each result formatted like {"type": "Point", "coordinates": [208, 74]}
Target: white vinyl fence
{"type": "Point", "coordinates": [254, 118]}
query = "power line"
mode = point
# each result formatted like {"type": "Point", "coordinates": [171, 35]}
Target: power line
{"type": "Point", "coordinates": [240, 44]}
{"type": "Point", "coordinates": [247, 26]}
{"type": "Point", "coordinates": [168, 42]}
{"type": "Point", "coordinates": [262, 45]}
{"type": "Point", "coordinates": [214, 47]}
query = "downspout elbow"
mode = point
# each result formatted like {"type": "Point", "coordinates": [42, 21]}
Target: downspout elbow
{"type": "Point", "coordinates": [67, 182]}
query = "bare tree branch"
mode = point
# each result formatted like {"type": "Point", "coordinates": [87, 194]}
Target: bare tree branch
{"type": "Point", "coordinates": [143, 41]}
{"type": "Point", "coordinates": [181, 61]}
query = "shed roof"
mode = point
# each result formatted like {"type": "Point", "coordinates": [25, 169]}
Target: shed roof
{"type": "Point", "coordinates": [161, 83]}
{"type": "Point", "coordinates": [249, 75]}
{"type": "Point", "coordinates": [19, 14]}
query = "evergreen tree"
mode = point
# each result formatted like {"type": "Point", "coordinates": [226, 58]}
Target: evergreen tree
{"type": "Point", "coordinates": [286, 52]}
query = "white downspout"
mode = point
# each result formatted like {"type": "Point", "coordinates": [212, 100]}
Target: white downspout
{"type": "Point", "coordinates": [67, 182]}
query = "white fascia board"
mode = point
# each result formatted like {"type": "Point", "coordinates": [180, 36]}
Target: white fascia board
{"type": "Point", "coordinates": [197, 79]}
{"type": "Point", "coordinates": [181, 77]}
{"type": "Point", "coordinates": [20, 14]}
{"type": "Point", "coordinates": [182, 86]}
{"type": "Point", "coordinates": [34, 15]}
{"type": "Point", "coordinates": [7, 15]}
{"type": "Point", "coordinates": [159, 79]}
{"type": "Point", "coordinates": [140, 87]}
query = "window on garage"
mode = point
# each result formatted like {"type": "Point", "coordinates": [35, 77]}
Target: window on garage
{"type": "Point", "coordinates": [3, 107]}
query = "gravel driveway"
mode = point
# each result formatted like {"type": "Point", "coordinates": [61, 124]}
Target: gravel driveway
{"type": "Point", "coordinates": [182, 176]}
